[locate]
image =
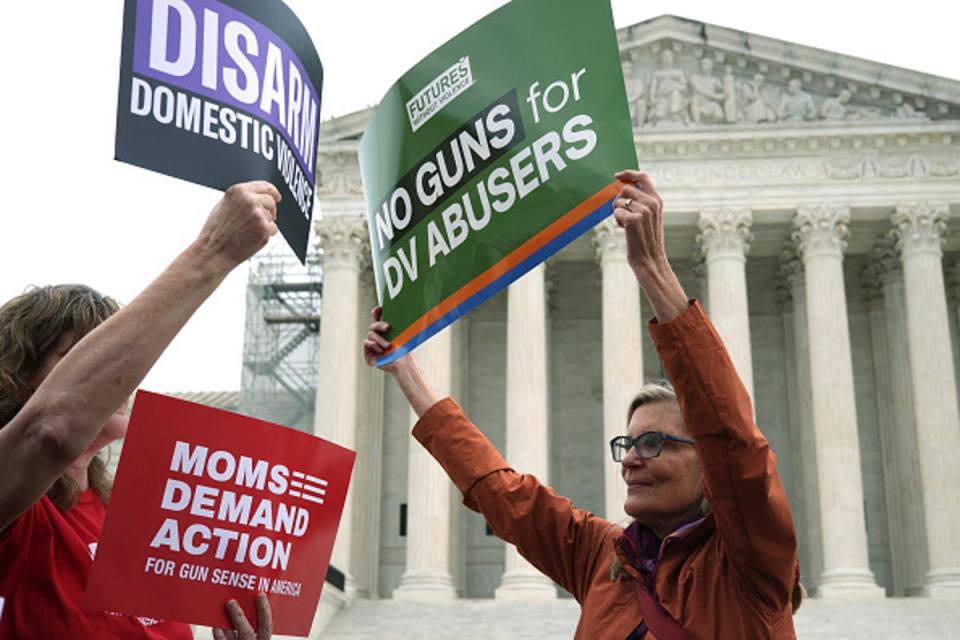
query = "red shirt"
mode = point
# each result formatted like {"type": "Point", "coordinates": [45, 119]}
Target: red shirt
{"type": "Point", "coordinates": [45, 560]}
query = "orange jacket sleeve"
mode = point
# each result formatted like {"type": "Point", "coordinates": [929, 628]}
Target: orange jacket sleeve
{"type": "Point", "coordinates": [563, 542]}
{"type": "Point", "coordinates": [743, 487]}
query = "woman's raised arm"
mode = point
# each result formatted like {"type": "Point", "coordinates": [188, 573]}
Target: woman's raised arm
{"type": "Point", "coordinates": [68, 409]}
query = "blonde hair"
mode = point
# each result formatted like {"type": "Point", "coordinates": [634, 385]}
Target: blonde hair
{"type": "Point", "coordinates": [31, 324]}
{"type": "Point", "coordinates": [650, 393]}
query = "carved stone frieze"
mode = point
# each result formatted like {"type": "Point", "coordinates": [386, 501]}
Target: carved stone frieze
{"type": "Point", "coordinates": [895, 166]}
{"type": "Point", "coordinates": [674, 85]}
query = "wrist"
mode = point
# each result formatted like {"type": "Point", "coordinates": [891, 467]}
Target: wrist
{"type": "Point", "coordinates": [651, 270]}
{"type": "Point", "coordinates": [207, 260]}
{"type": "Point", "coordinates": [403, 367]}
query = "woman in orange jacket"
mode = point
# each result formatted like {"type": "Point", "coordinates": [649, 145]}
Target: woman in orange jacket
{"type": "Point", "coordinates": [712, 551]}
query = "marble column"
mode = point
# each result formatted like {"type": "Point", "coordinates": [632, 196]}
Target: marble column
{"type": "Point", "coordinates": [802, 436]}
{"type": "Point", "coordinates": [528, 442]}
{"type": "Point", "coordinates": [918, 231]}
{"type": "Point", "coordinates": [366, 486]}
{"type": "Point", "coordinates": [622, 353]}
{"type": "Point", "coordinates": [871, 285]}
{"type": "Point", "coordinates": [428, 575]}
{"type": "Point", "coordinates": [724, 239]}
{"type": "Point", "coordinates": [343, 243]}
{"type": "Point", "coordinates": [910, 525]}
{"type": "Point", "coordinates": [820, 234]}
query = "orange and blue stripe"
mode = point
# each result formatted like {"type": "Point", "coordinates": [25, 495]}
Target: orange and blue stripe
{"type": "Point", "coordinates": [498, 277]}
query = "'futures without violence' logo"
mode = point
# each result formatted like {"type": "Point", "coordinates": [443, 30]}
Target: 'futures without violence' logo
{"type": "Point", "coordinates": [440, 92]}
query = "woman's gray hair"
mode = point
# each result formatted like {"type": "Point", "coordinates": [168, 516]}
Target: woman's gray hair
{"type": "Point", "coordinates": [651, 392]}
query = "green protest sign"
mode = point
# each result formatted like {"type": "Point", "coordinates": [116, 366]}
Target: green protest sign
{"type": "Point", "coordinates": [489, 156]}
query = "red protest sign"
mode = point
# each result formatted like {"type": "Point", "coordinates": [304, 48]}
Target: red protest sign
{"type": "Point", "coordinates": [209, 505]}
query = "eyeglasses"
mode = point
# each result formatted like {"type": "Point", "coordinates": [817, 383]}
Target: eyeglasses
{"type": "Point", "coordinates": [647, 445]}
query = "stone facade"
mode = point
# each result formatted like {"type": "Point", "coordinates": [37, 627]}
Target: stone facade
{"type": "Point", "coordinates": [808, 203]}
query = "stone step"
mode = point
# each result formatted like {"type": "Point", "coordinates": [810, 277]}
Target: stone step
{"type": "Point", "coordinates": [920, 618]}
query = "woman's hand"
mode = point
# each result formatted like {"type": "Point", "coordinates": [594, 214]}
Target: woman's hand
{"type": "Point", "coordinates": [639, 210]}
{"type": "Point", "coordinates": [404, 369]}
{"type": "Point", "coordinates": [241, 223]}
{"type": "Point", "coordinates": [377, 344]}
{"type": "Point", "coordinates": [242, 630]}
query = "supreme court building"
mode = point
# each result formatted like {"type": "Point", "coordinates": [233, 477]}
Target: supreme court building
{"type": "Point", "coordinates": [808, 202]}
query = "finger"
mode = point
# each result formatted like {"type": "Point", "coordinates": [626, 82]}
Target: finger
{"type": "Point", "coordinates": [371, 348]}
{"type": "Point", "coordinates": [380, 327]}
{"type": "Point", "coordinates": [376, 312]}
{"type": "Point", "coordinates": [379, 339]}
{"type": "Point", "coordinates": [218, 634]}
{"type": "Point", "coordinates": [639, 200]}
{"type": "Point", "coordinates": [269, 204]}
{"type": "Point", "coordinates": [630, 191]}
{"type": "Point", "coordinates": [620, 215]}
{"type": "Point", "coordinates": [638, 212]}
{"type": "Point", "coordinates": [646, 184]}
{"type": "Point", "coordinates": [238, 620]}
{"type": "Point", "coordinates": [272, 228]}
{"type": "Point", "coordinates": [647, 201]}
{"type": "Point", "coordinates": [642, 180]}
{"type": "Point", "coordinates": [264, 618]}
{"type": "Point", "coordinates": [628, 175]}
{"type": "Point", "coordinates": [262, 186]}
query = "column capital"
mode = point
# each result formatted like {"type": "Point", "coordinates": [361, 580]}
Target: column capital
{"type": "Point", "coordinates": [344, 242]}
{"type": "Point", "coordinates": [609, 241]}
{"type": "Point", "coordinates": [919, 227]}
{"type": "Point", "coordinates": [724, 232]}
{"type": "Point", "coordinates": [822, 230]}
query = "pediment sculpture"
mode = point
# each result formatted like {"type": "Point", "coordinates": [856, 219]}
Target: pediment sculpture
{"type": "Point", "coordinates": [664, 92]}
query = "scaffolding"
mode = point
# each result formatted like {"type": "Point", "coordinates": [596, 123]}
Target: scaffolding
{"type": "Point", "coordinates": [280, 339]}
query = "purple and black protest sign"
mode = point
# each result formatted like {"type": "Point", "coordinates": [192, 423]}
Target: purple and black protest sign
{"type": "Point", "coordinates": [217, 92]}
